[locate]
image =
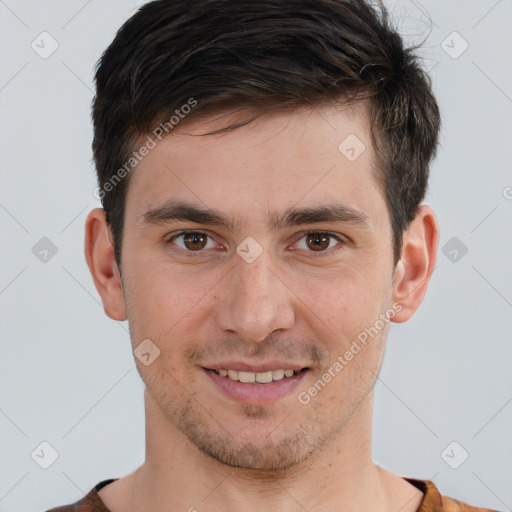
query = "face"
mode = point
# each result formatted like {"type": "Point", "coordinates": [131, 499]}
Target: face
{"type": "Point", "coordinates": [288, 264]}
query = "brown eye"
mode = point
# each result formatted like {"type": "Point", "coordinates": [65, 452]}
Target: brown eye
{"type": "Point", "coordinates": [318, 241]}
{"type": "Point", "coordinates": [195, 241]}
{"type": "Point", "coordinates": [321, 243]}
{"type": "Point", "coordinates": [191, 242]}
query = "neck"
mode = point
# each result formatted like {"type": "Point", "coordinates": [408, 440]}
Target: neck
{"type": "Point", "coordinates": [177, 476]}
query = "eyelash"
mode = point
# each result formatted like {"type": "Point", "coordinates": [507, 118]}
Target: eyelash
{"type": "Point", "coordinates": [341, 243]}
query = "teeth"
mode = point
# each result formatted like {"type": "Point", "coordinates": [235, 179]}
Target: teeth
{"type": "Point", "coordinates": [263, 377]}
{"type": "Point", "coordinates": [246, 376]}
{"type": "Point", "coordinates": [260, 377]}
{"type": "Point", "coordinates": [278, 374]}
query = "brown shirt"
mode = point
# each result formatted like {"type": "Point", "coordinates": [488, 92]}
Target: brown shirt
{"type": "Point", "coordinates": [432, 500]}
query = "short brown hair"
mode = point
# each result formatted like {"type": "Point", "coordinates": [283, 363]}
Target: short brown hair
{"type": "Point", "coordinates": [234, 54]}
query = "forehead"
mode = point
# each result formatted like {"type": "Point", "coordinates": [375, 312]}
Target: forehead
{"type": "Point", "coordinates": [282, 158]}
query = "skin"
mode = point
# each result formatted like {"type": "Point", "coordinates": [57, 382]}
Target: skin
{"type": "Point", "coordinates": [204, 449]}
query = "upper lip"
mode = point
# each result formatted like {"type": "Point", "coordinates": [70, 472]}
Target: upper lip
{"type": "Point", "coordinates": [255, 368]}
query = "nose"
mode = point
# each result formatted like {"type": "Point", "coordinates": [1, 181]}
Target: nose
{"type": "Point", "coordinates": [254, 302]}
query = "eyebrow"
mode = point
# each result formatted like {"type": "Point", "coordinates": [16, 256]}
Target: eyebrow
{"type": "Point", "coordinates": [173, 210]}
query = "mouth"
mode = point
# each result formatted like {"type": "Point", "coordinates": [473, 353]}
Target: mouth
{"type": "Point", "coordinates": [260, 387]}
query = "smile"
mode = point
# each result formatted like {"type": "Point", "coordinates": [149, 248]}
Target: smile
{"type": "Point", "coordinates": [256, 387]}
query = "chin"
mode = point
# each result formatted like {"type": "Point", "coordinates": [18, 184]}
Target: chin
{"type": "Point", "coordinates": [263, 457]}
{"type": "Point", "coordinates": [271, 449]}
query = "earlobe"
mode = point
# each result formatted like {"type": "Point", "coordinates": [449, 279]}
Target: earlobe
{"type": "Point", "coordinates": [417, 263]}
{"type": "Point", "coordinates": [99, 254]}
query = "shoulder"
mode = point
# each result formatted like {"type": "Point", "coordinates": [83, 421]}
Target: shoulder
{"type": "Point", "coordinates": [91, 502]}
{"type": "Point", "coordinates": [453, 505]}
{"type": "Point", "coordinates": [434, 501]}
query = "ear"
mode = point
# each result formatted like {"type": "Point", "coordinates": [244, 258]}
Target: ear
{"type": "Point", "coordinates": [416, 264]}
{"type": "Point", "coordinates": [99, 254]}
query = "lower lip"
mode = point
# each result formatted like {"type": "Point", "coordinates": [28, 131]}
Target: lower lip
{"type": "Point", "coordinates": [256, 393]}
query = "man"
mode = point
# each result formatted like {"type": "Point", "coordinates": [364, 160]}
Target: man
{"type": "Point", "coordinates": [262, 167]}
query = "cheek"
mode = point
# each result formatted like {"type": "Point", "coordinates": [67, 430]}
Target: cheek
{"type": "Point", "coordinates": [344, 302]}
{"type": "Point", "coordinates": [164, 302]}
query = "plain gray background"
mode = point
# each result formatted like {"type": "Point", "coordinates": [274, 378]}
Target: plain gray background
{"type": "Point", "coordinates": [67, 372]}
